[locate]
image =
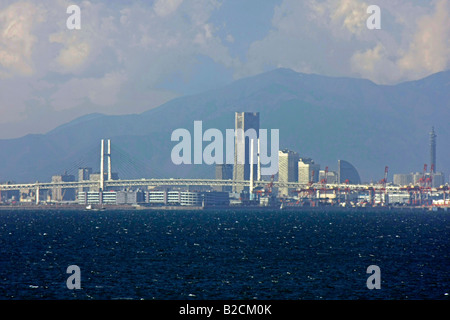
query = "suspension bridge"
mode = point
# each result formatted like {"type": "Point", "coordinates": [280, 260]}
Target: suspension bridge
{"type": "Point", "coordinates": [133, 167]}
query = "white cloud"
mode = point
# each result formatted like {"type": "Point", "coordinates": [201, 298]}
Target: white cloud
{"type": "Point", "coordinates": [353, 15]}
{"type": "Point", "coordinates": [114, 64]}
{"type": "Point", "coordinates": [170, 44]}
{"type": "Point", "coordinates": [368, 59]}
{"type": "Point", "coordinates": [306, 36]}
{"type": "Point", "coordinates": [375, 64]}
{"type": "Point", "coordinates": [230, 38]}
{"type": "Point", "coordinates": [423, 49]}
{"type": "Point", "coordinates": [73, 54]}
{"type": "Point", "coordinates": [429, 51]}
{"type": "Point", "coordinates": [330, 37]}
{"type": "Point", "coordinates": [74, 51]}
{"type": "Point", "coordinates": [102, 92]}
{"type": "Point", "coordinates": [122, 50]}
{"type": "Point", "coordinates": [17, 38]}
{"type": "Point", "coordinates": [166, 7]}
{"type": "Point", "coordinates": [343, 17]}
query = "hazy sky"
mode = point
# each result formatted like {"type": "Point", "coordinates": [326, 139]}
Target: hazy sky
{"type": "Point", "coordinates": [130, 56]}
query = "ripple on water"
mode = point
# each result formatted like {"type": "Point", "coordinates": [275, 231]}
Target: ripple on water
{"type": "Point", "coordinates": [224, 254]}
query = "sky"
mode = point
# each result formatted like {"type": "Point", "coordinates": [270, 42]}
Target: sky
{"type": "Point", "coordinates": [130, 56]}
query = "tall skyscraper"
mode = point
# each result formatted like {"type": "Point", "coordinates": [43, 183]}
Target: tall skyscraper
{"type": "Point", "coordinates": [308, 171]}
{"type": "Point", "coordinates": [241, 169]}
{"type": "Point", "coordinates": [432, 151]}
{"type": "Point", "coordinates": [287, 169]}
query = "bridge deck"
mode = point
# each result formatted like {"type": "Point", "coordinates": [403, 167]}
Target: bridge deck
{"type": "Point", "coordinates": [189, 182]}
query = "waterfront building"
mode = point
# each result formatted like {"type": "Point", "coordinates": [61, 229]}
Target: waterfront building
{"type": "Point", "coordinates": [347, 171]}
{"type": "Point", "coordinates": [189, 198]}
{"type": "Point", "coordinates": [241, 171]}
{"type": "Point", "coordinates": [308, 171]}
{"type": "Point", "coordinates": [437, 179]}
{"type": "Point", "coordinates": [287, 169]}
{"type": "Point", "coordinates": [224, 172]}
{"type": "Point", "coordinates": [332, 176]}
{"type": "Point", "coordinates": [63, 194]}
{"type": "Point", "coordinates": [417, 177]}
{"type": "Point", "coordinates": [93, 197]}
{"type": "Point", "coordinates": [9, 195]}
{"type": "Point", "coordinates": [84, 175]}
{"type": "Point", "coordinates": [111, 197]}
{"type": "Point", "coordinates": [401, 179]}
{"type": "Point", "coordinates": [129, 197]}
{"type": "Point", "coordinates": [399, 198]}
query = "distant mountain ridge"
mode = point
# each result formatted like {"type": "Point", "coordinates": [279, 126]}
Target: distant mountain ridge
{"type": "Point", "coordinates": [325, 118]}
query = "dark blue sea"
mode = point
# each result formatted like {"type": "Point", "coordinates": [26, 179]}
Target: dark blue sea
{"type": "Point", "coordinates": [225, 254]}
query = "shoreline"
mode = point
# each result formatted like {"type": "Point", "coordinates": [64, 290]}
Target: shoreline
{"type": "Point", "coordinates": [211, 208]}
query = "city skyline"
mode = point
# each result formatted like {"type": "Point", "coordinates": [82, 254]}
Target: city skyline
{"type": "Point", "coordinates": [307, 134]}
{"type": "Point", "coordinates": [340, 82]}
{"type": "Point", "coordinates": [297, 182]}
{"type": "Point", "coordinates": [249, 123]}
{"type": "Point", "coordinates": [291, 166]}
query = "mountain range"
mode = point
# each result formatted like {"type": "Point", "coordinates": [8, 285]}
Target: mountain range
{"type": "Point", "coordinates": [324, 118]}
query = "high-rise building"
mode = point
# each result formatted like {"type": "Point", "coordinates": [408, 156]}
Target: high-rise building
{"type": "Point", "coordinates": [417, 178]}
{"type": "Point", "coordinates": [331, 176]}
{"type": "Point", "coordinates": [437, 179]}
{"type": "Point", "coordinates": [63, 194]}
{"type": "Point", "coordinates": [308, 171]}
{"type": "Point", "coordinates": [84, 174]}
{"type": "Point", "coordinates": [224, 172]}
{"type": "Point", "coordinates": [287, 169]}
{"type": "Point", "coordinates": [432, 150]}
{"type": "Point", "coordinates": [244, 122]}
{"type": "Point", "coordinates": [401, 179]}
{"type": "Point", "coordinates": [347, 171]}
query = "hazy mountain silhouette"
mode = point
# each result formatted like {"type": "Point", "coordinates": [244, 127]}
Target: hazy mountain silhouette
{"type": "Point", "coordinates": [325, 118]}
